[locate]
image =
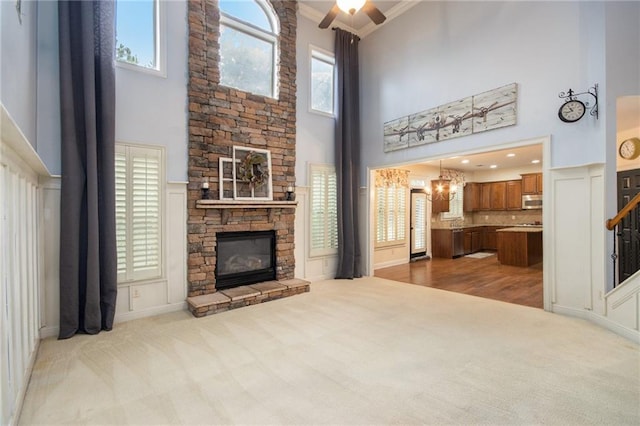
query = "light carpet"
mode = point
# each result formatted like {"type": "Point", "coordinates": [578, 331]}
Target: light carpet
{"type": "Point", "coordinates": [367, 351]}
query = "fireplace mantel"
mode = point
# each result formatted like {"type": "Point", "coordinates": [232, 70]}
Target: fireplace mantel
{"type": "Point", "coordinates": [225, 205]}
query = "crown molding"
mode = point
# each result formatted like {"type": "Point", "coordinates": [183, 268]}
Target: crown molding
{"type": "Point", "coordinates": [391, 14]}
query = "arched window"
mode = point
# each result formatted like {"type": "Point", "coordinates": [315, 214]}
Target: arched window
{"type": "Point", "coordinates": [249, 46]}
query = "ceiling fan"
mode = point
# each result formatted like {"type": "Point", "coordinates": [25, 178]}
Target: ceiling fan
{"type": "Point", "coordinates": [351, 7]}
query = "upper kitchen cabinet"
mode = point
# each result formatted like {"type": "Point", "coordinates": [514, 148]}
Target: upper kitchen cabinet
{"type": "Point", "coordinates": [439, 205]}
{"type": "Point", "coordinates": [532, 184]}
{"type": "Point", "coordinates": [485, 196]}
{"type": "Point", "coordinates": [498, 195]}
{"type": "Point", "coordinates": [471, 201]}
{"type": "Point", "coordinates": [514, 195]}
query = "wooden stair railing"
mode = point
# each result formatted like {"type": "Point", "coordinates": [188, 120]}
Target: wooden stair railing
{"type": "Point", "coordinates": [611, 223]}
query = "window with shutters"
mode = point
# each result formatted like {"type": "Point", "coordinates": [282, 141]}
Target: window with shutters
{"type": "Point", "coordinates": [249, 46]}
{"type": "Point", "coordinates": [139, 189]}
{"type": "Point", "coordinates": [323, 201]}
{"type": "Point", "coordinates": [391, 217]}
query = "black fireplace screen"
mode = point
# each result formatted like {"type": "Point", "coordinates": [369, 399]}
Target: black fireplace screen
{"type": "Point", "coordinates": [245, 258]}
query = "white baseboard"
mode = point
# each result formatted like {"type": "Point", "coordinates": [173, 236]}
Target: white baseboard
{"type": "Point", "coordinates": [158, 310]}
{"type": "Point", "coordinates": [128, 316]}
{"type": "Point", "coordinates": [627, 333]}
{"type": "Point", "coordinates": [389, 263]}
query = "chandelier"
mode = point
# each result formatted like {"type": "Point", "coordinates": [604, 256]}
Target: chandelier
{"type": "Point", "coordinates": [441, 189]}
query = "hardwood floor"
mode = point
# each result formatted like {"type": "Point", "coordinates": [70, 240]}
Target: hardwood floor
{"type": "Point", "coordinates": [478, 277]}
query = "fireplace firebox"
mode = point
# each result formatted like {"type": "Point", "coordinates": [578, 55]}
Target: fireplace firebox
{"type": "Point", "coordinates": [245, 258]}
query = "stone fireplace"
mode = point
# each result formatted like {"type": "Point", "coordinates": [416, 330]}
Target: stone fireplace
{"type": "Point", "coordinates": [222, 117]}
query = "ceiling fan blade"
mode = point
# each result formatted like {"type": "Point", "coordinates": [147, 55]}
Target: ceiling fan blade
{"type": "Point", "coordinates": [330, 17]}
{"type": "Point", "coordinates": [373, 13]}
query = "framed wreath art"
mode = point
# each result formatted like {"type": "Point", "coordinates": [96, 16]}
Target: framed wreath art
{"type": "Point", "coordinates": [252, 174]}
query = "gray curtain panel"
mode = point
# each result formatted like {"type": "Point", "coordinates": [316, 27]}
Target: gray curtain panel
{"type": "Point", "coordinates": [88, 262]}
{"type": "Point", "coordinates": [347, 140]}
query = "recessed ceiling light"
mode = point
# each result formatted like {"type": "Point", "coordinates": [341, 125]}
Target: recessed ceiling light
{"type": "Point", "coordinates": [465, 161]}
{"type": "Point", "coordinates": [511, 154]}
{"type": "Point", "coordinates": [493, 166]}
{"type": "Point", "coordinates": [535, 161]}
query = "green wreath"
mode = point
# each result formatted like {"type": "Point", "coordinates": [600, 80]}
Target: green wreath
{"type": "Point", "coordinates": [252, 169]}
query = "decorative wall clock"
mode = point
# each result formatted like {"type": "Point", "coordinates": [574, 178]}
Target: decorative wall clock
{"type": "Point", "coordinates": [571, 111]}
{"type": "Point", "coordinates": [630, 149]}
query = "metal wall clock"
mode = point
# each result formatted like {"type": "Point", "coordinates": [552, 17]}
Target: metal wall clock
{"type": "Point", "coordinates": [573, 109]}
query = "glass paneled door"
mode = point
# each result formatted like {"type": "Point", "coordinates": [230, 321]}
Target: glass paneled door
{"type": "Point", "coordinates": [418, 223]}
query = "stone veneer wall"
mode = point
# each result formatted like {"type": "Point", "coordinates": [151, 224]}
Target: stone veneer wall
{"type": "Point", "coordinates": [220, 117]}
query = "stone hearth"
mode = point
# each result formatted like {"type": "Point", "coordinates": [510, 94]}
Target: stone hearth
{"type": "Point", "coordinates": [239, 297]}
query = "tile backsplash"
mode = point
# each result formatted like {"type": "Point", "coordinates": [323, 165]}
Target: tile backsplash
{"type": "Point", "coordinates": [513, 217]}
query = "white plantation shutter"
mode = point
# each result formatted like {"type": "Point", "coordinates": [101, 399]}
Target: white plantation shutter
{"type": "Point", "coordinates": [381, 214]}
{"type": "Point", "coordinates": [391, 212]}
{"type": "Point", "coordinates": [324, 211]}
{"type": "Point", "coordinates": [138, 212]}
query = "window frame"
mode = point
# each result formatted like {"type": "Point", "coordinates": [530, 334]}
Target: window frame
{"type": "Point", "coordinates": [329, 58]}
{"type": "Point", "coordinates": [395, 242]}
{"type": "Point", "coordinates": [325, 169]}
{"type": "Point", "coordinates": [160, 47]}
{"type": "Point", "coordinates": [131, 277]}
{"type": "Point", "coordinates": [259, 33]}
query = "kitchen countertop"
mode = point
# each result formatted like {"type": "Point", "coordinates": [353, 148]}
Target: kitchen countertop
{"type": "Point", "coordinates": [521, 229]}
{"type": "Point", "coordinates": [478, 225]}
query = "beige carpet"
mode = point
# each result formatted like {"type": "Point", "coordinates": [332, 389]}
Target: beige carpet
{"type": "Point", "coordinates": [367, 351]}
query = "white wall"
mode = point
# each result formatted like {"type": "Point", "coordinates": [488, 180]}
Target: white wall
{"type": "Point", "coordinates": [152, 109]}
{"type": "Point", "coordinates": [444, 51]}
{"type": "Point", "coordinates": [314, 132]}
{"type": "Point", "coordinates": [18, 65]}
{"type": "Point", "coordinates": [314, 145]}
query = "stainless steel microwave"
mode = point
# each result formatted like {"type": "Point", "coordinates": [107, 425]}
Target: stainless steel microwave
{"type": "Point", "coordinates": [530, 202]}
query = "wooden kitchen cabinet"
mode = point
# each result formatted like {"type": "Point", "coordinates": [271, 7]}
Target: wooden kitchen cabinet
{"type": "Point", "coordinates": [471, 200]}
{"type": "Point", "coordinates": [485, 196]}
{"type": "Point", "coordinates": [514, 195]}
{"type": "Point", "coordinates": [441, 243]}
{"type": "Point", "coordinates": [438, 206]}
{"type": "Point", "coordinates": [473, 239]}
{"type": "Point", "coordinates": [498, 195]}
{"type": "Point", "coordinates": [520, 247]}
{"type": "Point", "coordinates": [490, 239]}
{"type": "Point", "coordinates": [532, 184]}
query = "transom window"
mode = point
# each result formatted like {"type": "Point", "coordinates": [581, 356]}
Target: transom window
{"type": "Point", "coordinates": [322, 81]}
{"type": "Point", "coordinates": [138, 34]}
{"type": "Point", "coordinates": [249, 46]}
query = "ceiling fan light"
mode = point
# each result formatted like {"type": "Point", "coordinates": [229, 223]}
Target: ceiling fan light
{"type": "Point", "coordinates": [348, 5]}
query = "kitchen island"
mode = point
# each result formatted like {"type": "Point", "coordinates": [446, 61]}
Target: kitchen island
{"type": "Point", "coordinates": [520, 246]}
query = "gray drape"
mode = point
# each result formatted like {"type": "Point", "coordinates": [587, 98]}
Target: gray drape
{"type": "Point", "coordinates": [88, 265]}
{"type": "Point", "coordinates": [347, 140]}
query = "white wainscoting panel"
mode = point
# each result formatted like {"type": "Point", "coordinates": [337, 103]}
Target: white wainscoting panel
{"type": "Point", "coordinates": [570, 231]}
{"type": "Point", "coordinates": [579, 255]}
{"type": "Point", "coordinates": [20, 265]}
